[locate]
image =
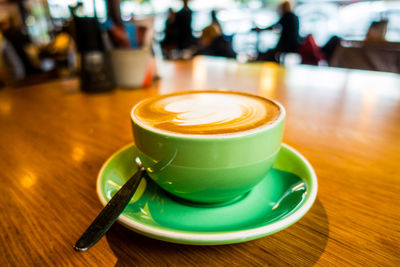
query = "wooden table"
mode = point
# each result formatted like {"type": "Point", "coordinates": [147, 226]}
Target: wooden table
{"type": "Point", "coordinates": [54, 139]}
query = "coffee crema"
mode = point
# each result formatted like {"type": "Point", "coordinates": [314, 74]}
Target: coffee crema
{"type": "Point", "coordinates": [206, 112]}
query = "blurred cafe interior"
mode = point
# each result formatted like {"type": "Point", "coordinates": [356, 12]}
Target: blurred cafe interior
{"type": "Point", "coordinates": [72, 70]}
{"type": "Point", "coordinates": [42, 40]}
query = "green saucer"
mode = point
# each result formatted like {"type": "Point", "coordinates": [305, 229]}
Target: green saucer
{"type": "Point", "coordinates": [278, 201]}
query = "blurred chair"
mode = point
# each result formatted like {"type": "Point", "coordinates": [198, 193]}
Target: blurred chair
{"type": "Point", "coordinates": [309, 51]}
{"type": "Point", "coordinates": [383, 56]}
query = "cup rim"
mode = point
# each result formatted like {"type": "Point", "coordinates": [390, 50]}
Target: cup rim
{"type": "Point", "coordinates": [281, 116]}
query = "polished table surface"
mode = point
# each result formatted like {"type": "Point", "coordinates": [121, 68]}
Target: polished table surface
{"type": "Point", "coordinates": [54, 139]}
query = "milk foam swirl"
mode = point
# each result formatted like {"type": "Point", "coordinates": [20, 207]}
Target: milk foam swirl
{"type": "Point", "coordinates": [206, 112]}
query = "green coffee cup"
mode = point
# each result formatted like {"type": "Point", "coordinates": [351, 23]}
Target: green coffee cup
{"type": "Point", "coordinates": [209, 168]}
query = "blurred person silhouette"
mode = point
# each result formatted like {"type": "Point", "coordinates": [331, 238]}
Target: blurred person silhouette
{"type": "Point", "coordinates": [171, 33]}
{"type": "Point", "coordinates": [183, 24]}
{"type": "Point", "coordinates": [212, 43]}
{"type": "Point", "coordinates": [289, 33]}
{"type": "Point", "coordinates": [124, 34]}
{"type": "Point", "coordinates": [215, 21]}
{"type": "Point", "coordinates": [132, 31]}
{"type": "Point", "coordinates": [118, 36]}
{"type": "Point", "coordinates": [377, 31]}
{"type": "Point", "coordinates": [115, 27]}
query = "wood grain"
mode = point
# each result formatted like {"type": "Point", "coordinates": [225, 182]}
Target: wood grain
{"type": "Point", "coordinates": [54, 139]}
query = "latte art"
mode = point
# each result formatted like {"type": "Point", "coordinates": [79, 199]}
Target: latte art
{"type": "Point", "coordinates": [207, 112]}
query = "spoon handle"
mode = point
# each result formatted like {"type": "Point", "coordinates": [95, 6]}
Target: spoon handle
{"type": "Point", "coordinates": [110, 213]}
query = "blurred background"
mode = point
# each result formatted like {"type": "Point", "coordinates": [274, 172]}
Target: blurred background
{"type": "Point", "coordinates": [45, 39]}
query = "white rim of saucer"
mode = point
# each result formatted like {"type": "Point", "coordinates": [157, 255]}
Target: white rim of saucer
{"type": "Point", "coordinates": [180, 235]}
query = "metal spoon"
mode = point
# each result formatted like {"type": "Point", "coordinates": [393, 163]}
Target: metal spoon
{"type": "Point", "coordinates": [111, 211]}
